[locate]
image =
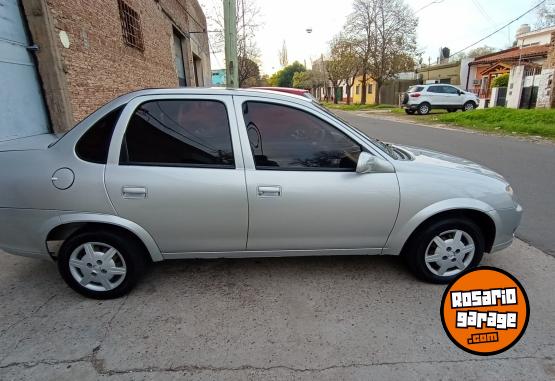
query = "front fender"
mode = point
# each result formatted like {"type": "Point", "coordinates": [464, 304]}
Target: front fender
{"type": "Point", "coordinates": [406, 225]}
{"type": "Point", "coordinates": [141, 233]}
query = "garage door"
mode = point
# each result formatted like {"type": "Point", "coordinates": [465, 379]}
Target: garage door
{"type": "Point", "coordinates": [22, 109]}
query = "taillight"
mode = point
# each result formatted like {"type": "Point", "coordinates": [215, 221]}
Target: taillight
{"type": "Point", "coordinates": [415, 95]}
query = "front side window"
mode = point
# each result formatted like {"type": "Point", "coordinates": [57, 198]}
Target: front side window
{"type": "Point", "coordinates": [450, 90]}
{"type": "Point", "coordinates": [286, 138]}
{"type": "Point", "coordinates": [179, 133]}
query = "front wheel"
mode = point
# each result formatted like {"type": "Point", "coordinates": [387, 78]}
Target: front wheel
{"type": "Point", "coordinates": [469, 106]}
{"type": "Point", "coordinates": [444, 249]}
{"type": "Point", "coordinates": [101, 265]}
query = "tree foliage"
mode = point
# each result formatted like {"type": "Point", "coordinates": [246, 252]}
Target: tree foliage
{"type": "Point", "coordinates": [284, 77]}
{"type": "Point", "coordinates": [385, 36]}
{"type": "Point", "coordinates": [481, 51]}
{"type": "Point", "coordinates": [249, 72]}
{"type": "Point", "coordinates": [501, 81]}
{"type": "Point", "coordinates": [546, 16]}
{"type": "Point", "coordinates": [343, 64]}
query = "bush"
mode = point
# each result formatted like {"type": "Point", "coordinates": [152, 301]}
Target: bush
{"type": "Point", "coordinates": [501, 81]}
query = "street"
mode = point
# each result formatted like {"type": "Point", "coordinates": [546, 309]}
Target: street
{"type": "Point", "coordinates": [314, 318]}
{"type": "Point", "coordinates": [529, 167]}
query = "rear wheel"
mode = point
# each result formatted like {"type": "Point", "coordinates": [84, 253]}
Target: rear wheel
{"type": "Point", "coordinates": [444, 249]}
{"type": "Point", "coordinates": [101, 265]}
{"type": "Point", "coordinates": [409, 111]}
{"type": "Point", "coordinates": [424, 109]}
{"type": "Point", "coordinates": [468, 106]}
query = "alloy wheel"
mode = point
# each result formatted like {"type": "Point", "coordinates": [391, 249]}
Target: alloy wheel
{"type": "Point", "coordinates": [450, 253]}
{"type": "Point", "coordinates": [97, 266]}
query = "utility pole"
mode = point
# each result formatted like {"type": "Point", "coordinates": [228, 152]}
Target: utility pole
{"type": "Point", "coordinates": [230, 32]}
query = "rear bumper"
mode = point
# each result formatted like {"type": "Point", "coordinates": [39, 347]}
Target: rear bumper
{"type": "Point", "coordinates": [409, 106]}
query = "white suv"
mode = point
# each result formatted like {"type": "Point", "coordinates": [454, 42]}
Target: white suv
{"type": "Point", "coordinates": [424, 98]}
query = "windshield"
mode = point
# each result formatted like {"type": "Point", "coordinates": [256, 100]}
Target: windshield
{"type": "Point", "coordinates": [385, 147]}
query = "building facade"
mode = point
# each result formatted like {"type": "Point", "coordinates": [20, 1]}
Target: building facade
{"type": "Point", "coordinates": [358, 88]}
{"type": "Point", "coordinates": [89, 52]}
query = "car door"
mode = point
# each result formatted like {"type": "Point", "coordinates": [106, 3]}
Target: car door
{"type": "Point", "coordinates": [175, 168]}
{"type": "Point", "coordinates": [304, 193]}
{"type": "Point", "coordinates": [435, 93]}
{"type": "Point", "coordinates": [451, 96]}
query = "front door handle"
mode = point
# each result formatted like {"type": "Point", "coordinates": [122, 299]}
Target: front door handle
{"type": "Point", "coordinates": [133, 192]}
{"type": "Point", "coordinates": [269, 191]}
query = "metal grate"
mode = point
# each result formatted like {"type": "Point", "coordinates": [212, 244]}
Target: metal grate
{"type": "Point", "coordinates": [130, 26]}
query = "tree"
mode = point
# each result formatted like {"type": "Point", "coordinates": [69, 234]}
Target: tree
{"type": "Point", "coordinates": [246, 21]}
{"type": "Point", "coordinates": [546, 16]}
{"type": "Point", "coordinates": [303, 80]}
{"type": "Point", "coordinates": [284, 77]}
{"type": "Point", "coordinates": [344, 61]}
{"type": "Point", "coordinates": [480, 51]}
{"type": "Point", "coordinates": [249, 72]}
{"type": "Point", "coordinates": [385, 36]}
{"type": "Point", "coordinates": [283, 60]}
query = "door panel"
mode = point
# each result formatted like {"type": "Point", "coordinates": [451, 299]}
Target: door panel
{"type": "Point", "coordinates": [174, 172]}
{"type": "Point", "coordinates": [304, 198]}
{"type": "Point", "coordinates": [321, 210]}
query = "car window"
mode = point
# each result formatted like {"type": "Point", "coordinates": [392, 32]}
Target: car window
{"type": "Point", "coordinates": [178, 133]}
{"type": "Point", "coordinates": [95, 143]}
{"type": "Point", "coordinates": [286, 138]}
{"type": "Point", "coordinates": [450, 90]}
{"type": "Point", "coordinates": [435, 89]}
{"type": "Point", "coordinates": [415, 89]}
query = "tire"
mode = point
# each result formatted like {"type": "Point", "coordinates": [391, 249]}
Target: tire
{"type": "Point", "coordinates": [423, 249]}
{"type": "Point", "coordinates": [424, 109]}
{"type": "Point", "coordinates": [410, 112]}
{"type": "Point", "coordinates": [469, 106]}
{"type": "Point", "coordinates": [107, 277]}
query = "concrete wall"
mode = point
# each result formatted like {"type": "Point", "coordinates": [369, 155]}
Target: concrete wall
{"type": "Point", "coordinates": [451, 71]}
{"type": "Point", "coordinates": [516, 82]}
{"type": "Point", "coordinates": [96, 64]}
{"type": "Point", "coordinates": [545, 88]}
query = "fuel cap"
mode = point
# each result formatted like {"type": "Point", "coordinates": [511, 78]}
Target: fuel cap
{"type": "Point", "coordinates": [63, 178]}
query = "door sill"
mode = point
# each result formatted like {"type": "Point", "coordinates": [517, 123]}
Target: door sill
{"type": "Point", "coordinates": [272, 253]}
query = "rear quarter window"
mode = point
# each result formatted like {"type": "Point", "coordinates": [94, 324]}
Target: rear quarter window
{"type": "Point", "coordinates": [95, 143]}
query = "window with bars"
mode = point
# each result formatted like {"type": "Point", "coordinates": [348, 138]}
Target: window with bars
{"type": "Point", "coordinates": [130, 26]}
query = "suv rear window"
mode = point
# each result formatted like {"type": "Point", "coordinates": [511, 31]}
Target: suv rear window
{"type": "Point", "coordinates": [415, 89]}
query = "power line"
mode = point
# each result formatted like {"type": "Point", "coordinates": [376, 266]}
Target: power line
{"type": "Point", "coordinates": [503, 27]}
{"type": "Point", "coordinates": [427, 5]}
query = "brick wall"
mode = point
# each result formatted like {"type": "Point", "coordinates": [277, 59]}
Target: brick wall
{"type": "Point", "coordinates": [99, 66]}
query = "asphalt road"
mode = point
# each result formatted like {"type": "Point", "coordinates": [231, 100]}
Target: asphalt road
{"type": "Point", "coordinates": [528, 166]}
{"type": "Point", "coordinates": [313, 318]}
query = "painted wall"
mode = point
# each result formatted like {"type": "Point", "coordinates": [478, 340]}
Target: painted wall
{"type": "Point", "coordinates": [357, 91]}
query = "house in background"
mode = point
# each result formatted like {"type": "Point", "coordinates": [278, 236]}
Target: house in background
{"type": "Point", "coordinates": [62, 59]}
{"type": "Point", "coordinates": [357, 89]}
{"type": "Point", "coordinates": [218, 78]}
{"type": "Point", "coordinates": [525, 65]}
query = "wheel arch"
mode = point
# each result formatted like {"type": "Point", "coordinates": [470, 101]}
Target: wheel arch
{"type": "Point", "coordinates": [68, 225]}
{"type": "Point", "coordinates": [482, 219]}
{"type": "Point", "coordinates": [475, 210]}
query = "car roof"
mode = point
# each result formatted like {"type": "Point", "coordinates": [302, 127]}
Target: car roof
{"type": "Point", "coordinates": [212, 91]}
{"type": "Point", "coordinates": [289, 90]}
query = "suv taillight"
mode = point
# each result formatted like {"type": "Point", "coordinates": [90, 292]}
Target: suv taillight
{"type": "Point", "coordinates": [415, 95]}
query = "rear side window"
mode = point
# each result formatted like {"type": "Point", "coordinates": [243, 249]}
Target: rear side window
{"type": "Point", "coordinates": [190, 133]}
{"type": "Point", "coordinates": [435, 89]}
{"type": "Point", "coordinates": [95, 143]}
{"type": "Point", "coordinates": [415, 89]}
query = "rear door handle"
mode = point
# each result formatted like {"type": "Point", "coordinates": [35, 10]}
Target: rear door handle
{"type": "Point", "coordinates": [269, 191]}
{"type": "Point", "coordinates": [133, 192]}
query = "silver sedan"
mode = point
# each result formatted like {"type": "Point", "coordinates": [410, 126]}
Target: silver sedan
{"type": "Point", "coordinates": [206, 173]}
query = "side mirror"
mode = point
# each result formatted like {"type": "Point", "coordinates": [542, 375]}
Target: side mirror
{"type": "Point", "coordinates": [460, 92]}
{"type": "Point", "coordinates": [372, 164]}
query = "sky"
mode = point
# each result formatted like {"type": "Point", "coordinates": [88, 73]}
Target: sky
{"type": "Point", "coordinates": [445, 23]}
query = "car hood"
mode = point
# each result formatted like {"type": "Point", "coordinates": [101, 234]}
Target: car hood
{"type": "Point", "coordinates": [440, 159]}
{"type": "Point", "coordinates": [35, 142]}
